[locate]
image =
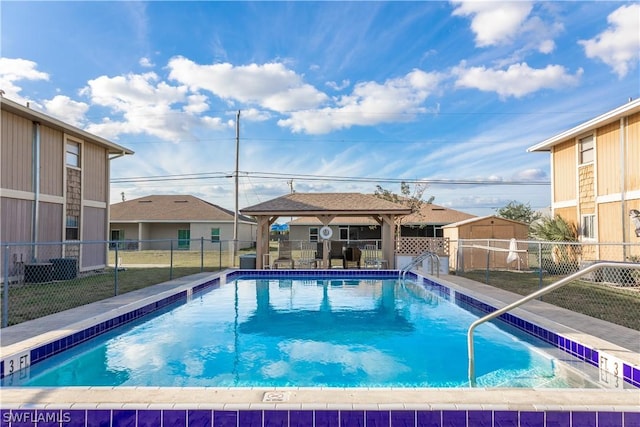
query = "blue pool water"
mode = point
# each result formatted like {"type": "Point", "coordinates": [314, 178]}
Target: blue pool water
{"type": "Point", "coordinates": [302, 332]}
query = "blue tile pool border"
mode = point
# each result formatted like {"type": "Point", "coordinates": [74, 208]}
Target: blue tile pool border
{"type": "Point", "coordinates": [198, 417]}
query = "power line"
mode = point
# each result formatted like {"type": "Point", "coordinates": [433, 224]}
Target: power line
{"type": "Point", "coordinates": [325, 178]}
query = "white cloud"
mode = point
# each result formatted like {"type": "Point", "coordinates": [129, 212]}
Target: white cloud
{"type": "Point", "coordinates": [547, 46]}
{"type": "Point", "coordinates": [531, 175]}
{"type": "Point", "coordinates": [517, 80]}
{"type": "Point", "coordinates": [146, 62]}
{"type": "Point", "coordinates": [619, 45]}
{"type": "Point", "coordinates": [67, 110]}
{"type": "Point", "coordinates": [13, 70]}
{"type": "Point", "coordinates": [494, 23]}
{"type": "Point", "coordinates": [370, 103]}
{"type": "Point", "coordinates": [338, 87]}
{"type": "Point", "coordinates": [147, 106]}
{"type": "Point", "coordinates": [271, 85]}
{"type": "Point", "coordinates": [255, 115]}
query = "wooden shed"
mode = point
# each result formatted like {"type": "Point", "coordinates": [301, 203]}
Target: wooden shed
{"type": "Point", "coordinates": [477, 241]}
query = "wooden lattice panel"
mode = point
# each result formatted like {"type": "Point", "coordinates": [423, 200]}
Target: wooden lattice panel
{"type": "Point", "coordinates": [417, 245]}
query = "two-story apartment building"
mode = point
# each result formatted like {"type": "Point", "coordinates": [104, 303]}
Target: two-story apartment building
{"type": "Point", "coordinates": [54, 187]}
{"type": "Point", "coordinates": [595, 176]}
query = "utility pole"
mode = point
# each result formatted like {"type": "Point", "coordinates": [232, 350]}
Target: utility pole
{"type": "Point", "coordinates": [235, 216]}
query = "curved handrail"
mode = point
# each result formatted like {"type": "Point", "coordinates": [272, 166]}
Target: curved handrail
{"type": "Point", "coordinates": [417, 260]}
{"type": "Point", "coordinates": [546, 290]}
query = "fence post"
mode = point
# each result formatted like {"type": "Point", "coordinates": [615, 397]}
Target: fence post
{"type": "Point", "coordinates": [201, 254]}
{"type": "Point", "coordinates": [5, 289]}
{"type": "Point", "coordinates": [219, 254]}
{"type": "Point", "coordinates": [115, 273]}
{"type": "Point", "coordinates": [539, 265]}
{"type": "Point", "coordinates": [171, 260]}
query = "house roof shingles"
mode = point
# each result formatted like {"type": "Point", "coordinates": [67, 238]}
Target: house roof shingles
{"type": "Point", "coordinates": [171, 208]}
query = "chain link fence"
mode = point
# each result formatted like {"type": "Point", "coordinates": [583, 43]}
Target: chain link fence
{"type": "Point", "coordinates": [45, 278]}
{"type": "Point", "coordinates": [523, 267]}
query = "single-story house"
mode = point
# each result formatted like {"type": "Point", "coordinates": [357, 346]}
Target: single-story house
{"type": "Point", "coordinates": [154, 220]}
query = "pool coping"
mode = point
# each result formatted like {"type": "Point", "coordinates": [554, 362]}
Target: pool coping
{"type": "Point", "coordinates": [215, 398]}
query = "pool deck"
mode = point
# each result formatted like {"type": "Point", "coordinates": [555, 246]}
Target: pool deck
{"type": "Point", "coordinates": [621, 342]}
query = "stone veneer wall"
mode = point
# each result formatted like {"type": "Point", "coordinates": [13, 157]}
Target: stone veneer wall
{"type": "Point", "coordinates": [74, 203]}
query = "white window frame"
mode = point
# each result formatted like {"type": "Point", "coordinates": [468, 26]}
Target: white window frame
{"type": "Point", "coordinates": [591, 151]}
{"type": "Point", "coordinates": [588, 227]}
{"type": "Point", "coordinates": [76, 157]}
{"type": "Point", "coordinates": [314, 233]}
{"type": "Point", "coordinates": [215, 237]}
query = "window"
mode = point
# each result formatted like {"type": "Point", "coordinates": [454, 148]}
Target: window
{"type": "Point", "coordinates": [215, 234]}
{"type": "Point", "coordinates": [73, 154]}
{"type": "Point", "coordinates": [585, 145]}
{"type": "Point", "coordinates": [344, 233]}
{"type": "Point", "coordinates": [588, 227]}
{"type": "Point", "coordinates": [71, 232]}
{"type": "Point", "coordinates": [313, 234]}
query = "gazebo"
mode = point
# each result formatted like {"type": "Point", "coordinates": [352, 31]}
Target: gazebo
{"type": "Point", "coordinates": [325, 207]}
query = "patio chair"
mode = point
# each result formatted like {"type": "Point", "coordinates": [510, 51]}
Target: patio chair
{"type": "Point", "coordinates": [284, 255]}
{"type": "Point", "coordinates": [336, 252]}
{"type": "Point", "coordinates": [371, 257]}
{"type": "Point", "coordinates": [351, 255]}
{"type": "Point", "coordinates": [308, 257]}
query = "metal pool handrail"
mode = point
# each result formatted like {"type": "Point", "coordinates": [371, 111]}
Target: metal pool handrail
{"type": "Point", "coordinates": [414, 262]}
{"type": "Point", "coordinates": [546, 290]}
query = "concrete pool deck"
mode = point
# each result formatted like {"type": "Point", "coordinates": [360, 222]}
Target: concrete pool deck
{"type": "Point", "coordinates": [621, 342]}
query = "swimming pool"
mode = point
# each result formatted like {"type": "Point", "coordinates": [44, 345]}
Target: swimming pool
{"type": "Point", "coordinates": [304, 332]}
{"type": "Point", "coordinates": [315, 406]}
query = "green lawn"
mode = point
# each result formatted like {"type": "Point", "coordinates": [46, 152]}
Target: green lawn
{"type": "Point", "coordinates": [615, 304]}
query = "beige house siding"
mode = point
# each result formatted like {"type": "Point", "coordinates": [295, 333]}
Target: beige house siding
{"type": "Point", "coordinates": [25, 133]}
{"type": "Point", "coordinates": [16, 152]}
{"type": "Point", "coordinates": [609, 187]}
{"type": "Point", "coordinates": [608, 153]}
{"type": "Point", "coordinates": [564, 171]}
{"type": "Point", "coordinates": [52, 154]}
{"type": "Point", "coordinates": [632, 164]}
{"type": "Point", "coordinates": [569, 213]}
{"type": "Point", "coordinates": [20, 229]}
{"type": "Point", "coordinates": [95, 167]}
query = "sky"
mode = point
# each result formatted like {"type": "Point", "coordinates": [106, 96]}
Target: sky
{"type": "Point", "coordinates": [331, 96]}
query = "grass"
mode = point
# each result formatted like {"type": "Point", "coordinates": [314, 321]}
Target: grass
{"type": "Point", "coordinates": [615, 304]}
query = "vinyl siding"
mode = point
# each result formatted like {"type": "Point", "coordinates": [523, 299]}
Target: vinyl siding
{"type": "Point", "coordinates": [52, 162]}
{"type": "Point", "coordinates": [93, 229]}
{"type": "Point", "coordinates": [51, 222]}
{"type": "Point", "coordinates": [95, 172]}
{"type": "Point", "coordinates": [608, 155]}
{"type": "Point", "coordinates": [16, 153]}
{"type": "Point", "coordinates": [20, 212]}
{"type": "Point", "coordinates": [632, 165]}
{"type": "Point", "coordinates": [564, 171]}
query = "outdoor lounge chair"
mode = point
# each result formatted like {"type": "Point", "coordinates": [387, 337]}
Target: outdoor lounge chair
{"type": "Point", "coordinates": [371, 257]}
{"type": "Point", "coordinates": [284, 255]}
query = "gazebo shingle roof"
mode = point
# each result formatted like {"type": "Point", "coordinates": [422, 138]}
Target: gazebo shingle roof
{"type": "Point", "coordinates": [326, 203]}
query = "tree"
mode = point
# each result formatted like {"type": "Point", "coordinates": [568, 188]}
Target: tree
{"type": "Point", "coordinates": [407, 198]}
{"type": "Point", "coordinates": [519, 212]}
{"type": "Point", "coordinates": [564, 256]}
{"type": "Point", "coordinates": [555, 229]}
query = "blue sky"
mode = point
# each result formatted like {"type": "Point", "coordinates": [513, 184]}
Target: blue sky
{"type": "Point", "coordinates": [333, 96]}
